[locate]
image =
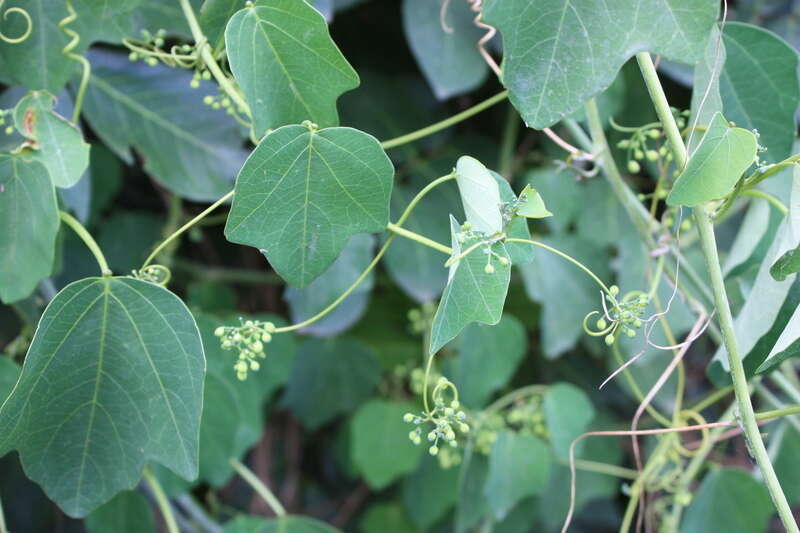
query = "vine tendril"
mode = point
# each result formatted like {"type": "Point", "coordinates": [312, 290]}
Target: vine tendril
{"type": "Point", "coordinates": [28, 21]}
{"type": "Point", "coordinates": [75, 40]}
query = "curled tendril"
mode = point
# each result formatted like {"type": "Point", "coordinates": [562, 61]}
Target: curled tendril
{"type": "Point", "coordinates": [75, 40]}
{"type": "Point", "coordinates": [28, 23]}
{"type": "Point", "coordinates": [600, 332]}
{"type": "Point", "coordinates": [158, 274]}
{"type": "Point", "coordinates": [688, 415]}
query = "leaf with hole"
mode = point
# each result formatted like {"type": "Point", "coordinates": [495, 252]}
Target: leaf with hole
{"type": "Point", "coordinates": [113, 379]}
{"type": "Point", "coordinates": [29, 222]}
{"type": "Point", "coordinates": [723, 155]}
{"type": "Point", "coordinates": [287, 65]}
{"type": "Point", "coordinates": [476, 289]}
{"type": "Point", "coordinates": [304, 192]}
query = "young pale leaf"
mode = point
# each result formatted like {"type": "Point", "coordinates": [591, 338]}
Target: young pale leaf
{"type": "Point", "coordinates": [759, 87]}
{"type": "Point", "coordinates": [285, 61]}
{"type": "Point", "coordinates": [113, 379]}
{"type": "Point", "coordinates": [567, 413]}
{"type": "Point", "coordinates": [127, 512]}
{"type": "Point", "coordinates": [719, 161]}
{"type": "Point", "coordinates": [487, 358]}
{"type": "Point", "coordinates": [557, 54]}
{"type": "Point", "coordinates": [476, 290]}
{"type": "Point", "coordinates": [29, 225]}
{"type": "Point", "coordinates": [728, 500]}
{"type": "Point", "coordinates": [187, 147]}
{"type": "Point", "coordinates": [480, 195]}
{"type": "Point", "coordinates": [445, 47]}
{"type": "Point", "coordinates": [284, 524]}
{"type": "Point", "coordinates": [303, 192]}
{"type": "Point", "coordinates": [531, 204]}
{"type": "Point", "coordinates": [56, 143]}
{"type": "Point", "coordinates": [518, 467]}
{"type": "Point", "coordinates": [787, 264]}
{"type": "Point", "coordinates": [323, 291]}
{"type": "Point", "coordinates": [330, 377]}
{"type": "Point", "coordinates": [379, 445]}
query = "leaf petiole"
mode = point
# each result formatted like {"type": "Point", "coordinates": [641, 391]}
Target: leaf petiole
{"type": "Point", "coordinates": [88, 240]}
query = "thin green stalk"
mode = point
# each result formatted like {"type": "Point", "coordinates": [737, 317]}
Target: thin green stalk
{"type": "Point", "coordinates": [711, 399]}
{"type": "Point", "coordinates": [775, 402]}
{"type": "Point", "coordinates": [180, 231]}
{"type": "Point", "coordinates": [259, 487]}
{"type": "Point", "coordinates": [578, 134]}
{"type": "Point", "coordinates": [725, 317]}
{"type": "Point", "coordinates": [162, 501]}
{"type": "Point", "coordinates": [786, 386]}
{"type": "Point", "coordinates": [444, 124]}
{"type": "Point", "coordinates": [400, 221]}
{"type": "Point", "coordinates": [416, 237]}
{"type": "Point", "coordinates": [208, 58]}
{"type": "Point", "coordinates": [88, 240]}
{"type": "Point", "coordinates": [607, 469]}
{"type": "Point", "coordinates": [656, 460]}
{"type": "Point", "coordinates": [777, 204]}
{"type": "Point", "coordinates": [505, 165]}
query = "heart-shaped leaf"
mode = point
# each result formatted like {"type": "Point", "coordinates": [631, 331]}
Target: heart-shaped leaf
{"type": "Point", "coordinates": [476, 290]}
{"type": "Point", "coordinates": [28, 226]}
{"type": "Point", "coordinates": [531, 204]}
{"type": "Point", "coordinates": [303, 192]}
{"type": "Point", "coordinates": [558, 54]}
{"type": "Point", "coordinates": [719, 161]}
{"type": "Point", "coordinates": [113, 379]}
{"type": "Point", "coordinates": [285, 61]}
{"type": "Point", "coordinates": [55, 142]}
{"type": "Point", "coordinates": [480, 195]}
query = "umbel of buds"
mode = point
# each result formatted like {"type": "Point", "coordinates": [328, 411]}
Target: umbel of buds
{"type": "Point", "coordinates": [445, 419]}
{"type": "Point", "coordinates": [248, 339]}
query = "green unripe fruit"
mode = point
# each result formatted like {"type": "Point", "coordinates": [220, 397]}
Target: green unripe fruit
{"type": "Point", "coordinates": [489, 269]}
{"type": "Point", "coordinates": [503, 261]}
{"type": "Point", "coordinates": [433, 450]}
{"type": "Point", "coordinates": [654, 134]}
{"type": "Point", "coordinates": [194, 84]}
{"type": "Point", "coordinates": [625, 143]}
{"type": "Point", "coordinates": [634, 167]}
{"type": "Point", "coordinates": [601, 324]}
{"type": "Point", "coordinates": [133, 56]}
{"type": "Point", "coordinates": [454, 404]}
{"type": "Point", "coordinates": [686, 224]}
{"type": "Point", "coordinates": [219, 332]}
{"type": "Point", "coordinates": [408, 417]}
{"type": "Point", "coordinates": [152, 61]}
{"type": "Point", "coordinates": [652, 155]}
{"type": "Point", "coordinates": [630, 333]}
{"type": "Point", "coordinates": [638, 154]}
{"type": "Point", "coordinates": [609, 340]}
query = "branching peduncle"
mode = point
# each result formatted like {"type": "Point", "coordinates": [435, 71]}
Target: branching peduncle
{"type": "Point", "coordinates": [88, 240]}
{"type": "Point", "coordinates": [708, 242]}
{"type": "Point", "coordinates": [258, 486]}
{"type": "Point", "coordinates": [162, 501]}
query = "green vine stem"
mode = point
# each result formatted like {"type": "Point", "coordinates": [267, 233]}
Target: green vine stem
{"type": "Point", "coordinates": [430, 243]}
{"type": "Point", "coordinates": [258, 486]}
{"type": "Point", "coordinates": [777, 204]}
{"type": "Point", "coordinates": [88, 240]}
{"type": "Point", "coordinates": [709, 245]}
{"type": "Point", "coordinates": [180, 231]}
{"type": "Point", "coordinates": [444, 124]}
{"type": "Point", "coordinates": [28, 29]}
{"type": "Point", "coordinates": [162, 501]}
{"type": "Point", "coordinates": [400, 221]}
{"type": "Point", "coordinates": [75, 39]}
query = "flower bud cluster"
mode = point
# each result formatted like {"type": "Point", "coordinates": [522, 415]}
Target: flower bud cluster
{"type": "Point", "coordinates": [249, 340]}
{"type": "Point", "coordinates": [445, 418]}
{"type": "Point", "coordinates": [528, 416]}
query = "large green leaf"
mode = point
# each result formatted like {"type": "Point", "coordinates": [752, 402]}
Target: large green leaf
{"type": "Point", "coordinates": [723, 155]}
{"type": "Point", "coordinates": [379, 445]}
{"type": "Point", "coordinates": [29, 222]}
{"type": "Point", "coordinates": [188, 147]}
{"type": "Point", "coordinates": [446, 49]}
{"type": "Point", "coordinates": [287, 65]}
{"type": "Point", "coordinates": [759, 87]}
{"type": "Point", "coordinates": [473, 292]}
{"type": "Point", "coordinates": [323, 291]}
{"type": "Point", "coordinates": [518, 467]}
{"type": "Point", "coordinates": [9, 372]}
{"type": "Point", "coordinates": [487, 358]}
{"type": "Point", "coordinates": [330, 378]}
{"type": "Point", "coordinates": [57, 143]}
{"type": "Point", "coordinates": [127, 512]}
{"type": "Point", "coordinates": [559, 54]}
{"type": "Point", "coordinates": [728, 500]}
{"type": "Point", "coordinates": [430, 492]}
{"type": "Point", "coordinates": [113, 379]}
{"type": "Point", "coordinates": [567, 413]}
{"type": "Point", "coordinates": [303, 192]}
{"type": "Point", "coordinates": [386, 518]}
{"type": "Point", "coordinates": [285, 524]}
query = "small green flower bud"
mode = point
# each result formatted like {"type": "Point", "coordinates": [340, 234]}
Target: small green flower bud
{"type": "Point", "coordinates": [408, 418]}
{"type": "Point", "coordinates": [454, 404]}
{"type": "Point", "coordinates": [208, 99]}
{"type": "Point", "coordinates": [503, 261]}
{"type": "Point", "coordinates": [662, 151]}
{"type": "Point", "coordinates": [634, 167]}
{"type": "Point", "coordinates": [254, 365]}
{"type": "Point", "coordinates": [489, 269]}
{"type": "Point", "coordinates": [601, 324]}
{"type": "Point", "coordinates": [269, 327]}
{"type": "Point", "coordinates": [637, 323]}
{"type": "Point", "coordinates": [257, 347]}
{"type": "Point", "coordinates": [464, 428]}
{"type": "Point", "coordinates": [159, 42]}
{"type": "Point", "coordinates": [638, 154]}
{"type": "Point", "coordinates": [625, 143]}
{"type": "Point", "coordinates": [652, 155]}
{"type": "Point", "coordinates": [609, 339]}
{"type": "Point", "coordinates": [241, 376]}
{"type": "Point", "coordinates": [226, 344]}
{"type": "Point", "coordinates": [133, 56]}
{"type": "Point", "coordinates": [686, 225]}
{"type": "Point", "coordinates": [433, 450]}
{"type": "Point", "coordinates": [466, 226]}
{"type": "Point", "coordinates": [432, 436]}
{"type": "Point", "coordinates": [206, 75]}
{"type": "Point", "coordinates": [614, 290]}
{"type": "Point", "coordinates": [654, 134]}
{"type": "Point", "coordinates": [450, 435]}
{"type": "Point", "coordinates": [448, 411]}
{"type": "Point", "coordinates": [215, 105]}
{"type": "Point", "coordinates": [661, 194]}
{"type": "Point", "coordinates": [630, 333]}
{"type": "Point", "coordinates": [152, 61]}
{"type": "Point", "coordinates": [412, 435]}
{"type": "Point", "coordinates": [219, 332]}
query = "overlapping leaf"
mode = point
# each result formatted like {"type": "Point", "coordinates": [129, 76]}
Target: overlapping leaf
{"type": "Point", "coordinates": [303, 193]}
{"type": "Point", "coordinates": [473, 294]}
{"type": "Point", "coordinates": [113, 379]}
{"type": "Point", "coordinates": [58, 144]}
{"type": "Point", "coordinates": [29, 222]}
{"type": "Point", "coordinates": [285, 61]}
{"type": "Point", "coordinates": [518, 467]}
{"type": "Point", "coordinates": [188, 147]}
{"type": "Point", "coordinates": [558, 54]}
